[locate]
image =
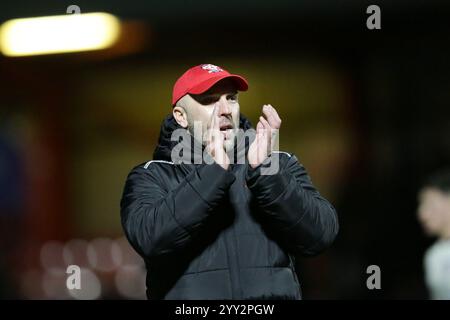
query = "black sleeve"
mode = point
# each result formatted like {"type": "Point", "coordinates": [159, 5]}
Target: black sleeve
{"type": "Point", "coordinates": [305, 221]}
{"type": "Point", "coordinates": [160, 219]}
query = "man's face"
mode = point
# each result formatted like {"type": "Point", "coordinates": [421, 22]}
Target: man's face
{"type": "Point", "coordinates": [199, 108]}
{"type": "Point", "coordinates": [434, 211]}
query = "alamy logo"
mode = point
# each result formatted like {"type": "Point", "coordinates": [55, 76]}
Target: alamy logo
{"type": "Point", "coordinates": [374, 20]}
{"type": "Point", "coordinates": [74, 279]}
{"type": "Point", "coordinates": [189, 149]}
{"type": "Point", "coordinates": [374, 280]}
{"type": "Point", "coordinates": [73, 9]}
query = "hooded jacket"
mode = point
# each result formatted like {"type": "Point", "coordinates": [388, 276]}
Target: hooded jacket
{"type": "Point", "coordinates": [209, 233]}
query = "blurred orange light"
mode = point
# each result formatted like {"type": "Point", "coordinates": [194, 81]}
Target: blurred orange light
{"type": "Point", "coordinates": [58, 34]}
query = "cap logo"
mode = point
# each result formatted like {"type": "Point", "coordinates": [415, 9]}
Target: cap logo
{"type": "Point", "coordinates": [211, 68]}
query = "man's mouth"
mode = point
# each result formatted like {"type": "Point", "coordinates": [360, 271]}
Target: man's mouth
{"type": "Point", "coordinates": [225, 127]}
{"type": "Point", "coordinates": [226, 130]}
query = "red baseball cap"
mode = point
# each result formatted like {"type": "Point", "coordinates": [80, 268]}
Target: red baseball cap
{"type": "Point", "coordinates": [200, 78]}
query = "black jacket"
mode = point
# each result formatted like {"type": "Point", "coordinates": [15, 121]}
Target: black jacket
{"type": "Point", "coordinates": [208, 233]}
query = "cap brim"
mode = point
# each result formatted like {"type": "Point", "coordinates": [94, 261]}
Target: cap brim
{"type": "Point", "coordinates": [241, 83]}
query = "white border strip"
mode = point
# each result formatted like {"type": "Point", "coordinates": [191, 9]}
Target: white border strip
{"type": "Point", "coordinates": [162, 161]}
{"type": "Point", "coordinates": [290, 155]}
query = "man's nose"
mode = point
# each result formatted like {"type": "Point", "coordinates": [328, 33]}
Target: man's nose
{"type": "Point", "coordinates": [224, 108]}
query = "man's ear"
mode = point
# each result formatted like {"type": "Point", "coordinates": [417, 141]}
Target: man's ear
{"type": "Point", "coordinates": [180, 116]}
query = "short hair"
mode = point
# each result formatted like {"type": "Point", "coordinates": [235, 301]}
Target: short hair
{"type": "Point", "coordinates": [439, 180]}
{"type": "Point", "coordinates": [180, 103]}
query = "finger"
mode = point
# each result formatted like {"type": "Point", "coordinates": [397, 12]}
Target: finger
{"type": "Point", "coordinates": [214, 121]}
{"type": "Point", "coordinates": [212, 118]}
{"type": "Point", "coordinates": [218, 136]}
{"type": "Point", "coordinates": [267, 111]}
{"type": "Point", "coordinates": [276, 116]}
{"type": "Point", "coordinates": [267, 128]}
{"type": "Point", "coordinates": [272, 116]}
{"type": "Point", "coordinates": [267, 133]}
{"type": "Point", "coordinates": [209, 125]}
{"type": "Point", "coordinates": [259, 127]}
{"type": "Point", "coordinates": [259, 132]}
{"type": "Point", "coordinates": [212, 125]}
{"type": "Point", "coordinates": [216, 117]}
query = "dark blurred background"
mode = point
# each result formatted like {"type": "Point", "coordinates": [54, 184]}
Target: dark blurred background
{"type": "Point", "coordinates": [366, 111]}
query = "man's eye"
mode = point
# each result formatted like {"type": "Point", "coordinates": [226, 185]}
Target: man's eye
{"type": "Point", "coordinates": [208, 100]}
{"type": "Point", "coordinates": [233, 97]}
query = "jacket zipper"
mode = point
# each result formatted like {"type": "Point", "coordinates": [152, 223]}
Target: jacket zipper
{"type": "Point", "coordinates": [233, 256]}
{"type": "Point", "coordinates": [231, 245]}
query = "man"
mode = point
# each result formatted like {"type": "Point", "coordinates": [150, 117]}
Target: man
{"type": "Point", "coordinates": [222, 229]}
{"type": "Point", "coordinates": [434, 215]}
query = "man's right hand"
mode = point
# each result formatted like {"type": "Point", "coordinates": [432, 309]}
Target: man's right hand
{"type": "Point", "coordinates": [215, 140]}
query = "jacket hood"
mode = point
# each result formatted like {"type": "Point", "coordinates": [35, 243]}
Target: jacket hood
{"type": "Point", "coordinates": [165, 145]}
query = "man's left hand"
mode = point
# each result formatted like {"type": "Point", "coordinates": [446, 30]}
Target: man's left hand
{"type": "Point", "coordinates": [266, 135]}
